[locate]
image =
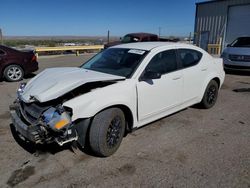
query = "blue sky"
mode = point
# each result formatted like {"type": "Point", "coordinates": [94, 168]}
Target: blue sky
{"type": "Point", "coordinates": [96, 17]}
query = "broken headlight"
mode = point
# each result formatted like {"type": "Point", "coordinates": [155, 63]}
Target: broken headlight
{"type": "Point", "coordinates": [56, 118]}
{"type": "Point", "coordinates": [20, 90]}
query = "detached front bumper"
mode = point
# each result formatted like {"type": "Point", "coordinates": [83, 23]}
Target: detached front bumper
{"type": "Point", "coordinates": [40, 134]}
{"type": "Point", "coordinates": [33, 133]}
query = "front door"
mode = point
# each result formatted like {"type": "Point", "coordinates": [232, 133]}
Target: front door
{"type": "Point", "coordinates": [157, 97]}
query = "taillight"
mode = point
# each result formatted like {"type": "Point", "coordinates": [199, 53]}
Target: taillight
{"type": "Point", "coordinates": [33, 58]}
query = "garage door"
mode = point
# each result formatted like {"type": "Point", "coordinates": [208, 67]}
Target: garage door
{"type": "Point", "coordinates": [238, 23]}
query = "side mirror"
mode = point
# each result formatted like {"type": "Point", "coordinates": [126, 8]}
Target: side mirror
{"type": "Point", "coordinates": [228, 45]}
{"type": "Point", "coordinates": [150, 75]}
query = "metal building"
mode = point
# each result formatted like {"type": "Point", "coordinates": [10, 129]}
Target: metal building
{"type": "Point", "coordinates": [221, 21]}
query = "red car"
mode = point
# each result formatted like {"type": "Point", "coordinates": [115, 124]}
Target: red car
{"type": "Point", "coordinates": [15, 64]}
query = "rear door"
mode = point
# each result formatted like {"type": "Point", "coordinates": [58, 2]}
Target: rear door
{"type": "Point", "coordinates": [156, 97]}
{"type": "Point", "coordinates": [194, 73]}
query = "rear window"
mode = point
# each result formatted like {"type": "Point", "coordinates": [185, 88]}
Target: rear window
{"type": "Point", "coordinates": [241, 42]}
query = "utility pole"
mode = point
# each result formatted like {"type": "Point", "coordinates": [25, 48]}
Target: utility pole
{"type": "Point", "coordinates": [1, 36]}
{"type": "Point", "coordinates": [108, 37]}
{"type": "Point", "coordinates": [159, 31]}
{"type": "Point", "coordinates": [190, 35]}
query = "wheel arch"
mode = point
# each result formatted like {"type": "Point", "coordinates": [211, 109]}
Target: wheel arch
{"type": "Point", "coordinates": [84, 124]}
{"type": "Point", "coordinates": [9, 64]}
{"type": "Point", "coordinates": [127, 113]}
{"type": "Point", "coordinates": [215, 78]}
{"type": "Point", "coordinates": [217, 81]}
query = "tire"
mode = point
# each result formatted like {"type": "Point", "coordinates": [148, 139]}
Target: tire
{"type": "Point", "coordinates": [13, 73]}
{"type": "Point", "coordinates": [101, 141]}
{"type": "Point", "coordinates": [210, 95]}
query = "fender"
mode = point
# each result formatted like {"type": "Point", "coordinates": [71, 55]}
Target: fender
{"type": "Point", "coordinates": [89, 104]}
{"type": "Point", "coordinates": [6, 64]}
{"type": "Point", "coordinates": [210, 77]}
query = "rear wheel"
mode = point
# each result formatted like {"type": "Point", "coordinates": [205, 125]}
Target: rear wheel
{"type": "Point", "coordinates": [210, 95]}
{"type": "Point", "coordinates": [107, 131]}
{"type": "Point", "coordinates": [13, 73]}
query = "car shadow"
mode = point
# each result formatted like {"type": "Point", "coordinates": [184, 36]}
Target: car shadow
{"type": "Point", "coordinates": [27, 76]}
{"type": "Point", "coordinates": [240, 90]}
{"type": "Point", "coordinates": [52, 148]}
{"type": "Point", "coordinates": [158, 120]}
{"type": "Point", "coordinates": [197, 106]}
{"type": "Point", "coordinates": [30, 75]}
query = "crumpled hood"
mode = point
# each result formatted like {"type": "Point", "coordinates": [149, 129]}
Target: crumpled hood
{"type": "Point", "coordinates": [54, 82]}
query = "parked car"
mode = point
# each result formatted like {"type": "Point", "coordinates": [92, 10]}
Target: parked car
{"type": "Point", "coordinates": [139, 37]}
{"type": "Point", "coordinates": [14, 64]}
{"type": "Point", "coordinates": [236, 56]}
{"type": "Point", "coordinates": [120, 89]}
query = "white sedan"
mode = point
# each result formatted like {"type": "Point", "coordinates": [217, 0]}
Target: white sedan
{"type": "Point", "coordinates": [120, 89]}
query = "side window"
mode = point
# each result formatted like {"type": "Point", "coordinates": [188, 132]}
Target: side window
{"type": "Point", "coordinates": [163, 62]}
{"type": "Point", "coordinates": [189, 57]}
{"type": "Point", "coordinates": [2, 52]}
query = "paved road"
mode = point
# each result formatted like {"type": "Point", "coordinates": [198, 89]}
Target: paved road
{"type": "Point", "coordinates": [192, 148]}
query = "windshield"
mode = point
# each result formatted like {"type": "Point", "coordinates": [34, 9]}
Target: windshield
{"type": "Point", "coordinates": [241, 42]}
{"type": "Point", "coordinates": [116, 61]}
{"type": "Point", "coordinates": [128, 38]}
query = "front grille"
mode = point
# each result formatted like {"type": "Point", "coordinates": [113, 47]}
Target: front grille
{"type": "Point", "coordinates": [32, 111]}
{"type": "Point", "coordinates": [244, 58]}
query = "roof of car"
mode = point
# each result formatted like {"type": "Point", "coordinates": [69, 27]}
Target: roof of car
{"type": "Point", "coordinates": [141, 34]}
{"type": "Point", "coordinates": [150, 45]}
{"type": "Point", "coordinates": [6, 48]}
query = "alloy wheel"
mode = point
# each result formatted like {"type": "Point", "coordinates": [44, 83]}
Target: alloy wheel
{"type": "Point", "coordinates": [211, 94]}
{"type": "Point", "coordinates": [14, 73]}
{"type": "Point", "coordinates": [114, 132]}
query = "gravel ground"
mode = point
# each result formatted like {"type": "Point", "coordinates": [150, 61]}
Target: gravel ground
{"type": "Point", "coordinates": [191, 148]}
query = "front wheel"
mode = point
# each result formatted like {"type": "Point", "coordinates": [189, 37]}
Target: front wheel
{"type": "Point", "coordinates": [107, 131]}
{"type": "Point", "coordinates": [210, 95]}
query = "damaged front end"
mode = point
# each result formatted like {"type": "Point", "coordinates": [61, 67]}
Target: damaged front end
{"type": "Point", "coordinates": [39, 114]}
{"type": "Point", "coordinates": [43, 124]}
{"type": "Point", "coordinates": [46, 122]}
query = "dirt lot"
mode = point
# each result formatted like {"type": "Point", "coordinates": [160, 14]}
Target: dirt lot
{"type": "Point", "coordinates": [192, 148]}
